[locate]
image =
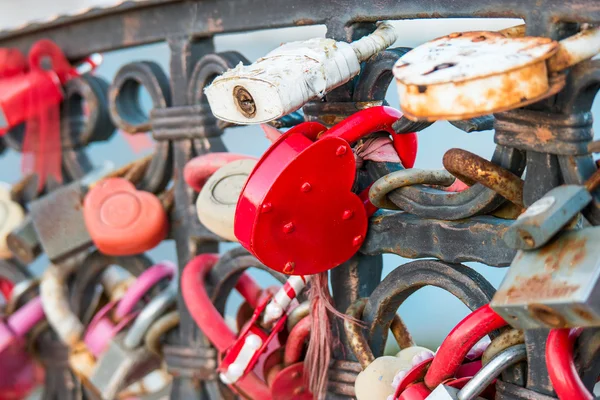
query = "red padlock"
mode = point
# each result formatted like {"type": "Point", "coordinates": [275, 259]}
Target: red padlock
{"type": "Point", "coordinates": [26, 94]}
{"type": "Point", "coordinates": [561, 366]}
{"type": "Point", "coordinates": [450, 356]}
{"type": "Point", "coordinates": [211, 322]}
{"type": "Point", "coordinates": [287, 198]}
{"type": "Point", "coordinates": [122, 220]}
{"type": "Point", "coordinates": [290, 383]}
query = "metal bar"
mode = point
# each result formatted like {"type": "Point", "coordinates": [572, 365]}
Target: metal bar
{"type": "Point", "coordinates": [128, 24]}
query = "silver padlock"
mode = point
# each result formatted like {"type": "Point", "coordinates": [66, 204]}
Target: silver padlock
{"type": "Point", "coordinates": [483, 378]}
{"type": "Point", "coordinates": [546, 217]}
{"type": "Point", "coordinates": [119, 367]}
{"type": "Point", "coordinates": [58, 217]}
{"type": "Point", "coordinates": [127, 360]}
{"type": "Point", "coordinates": [556, 286]}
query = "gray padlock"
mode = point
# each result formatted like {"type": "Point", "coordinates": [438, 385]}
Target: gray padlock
{"type": "Point", "coordinates": [556, 286]}
{"type": "Point", "coordinates": [58, 217]}
{"type": "Point", "coordinates": [126, 359]}
{"type": "Point", "coordinates": [119, 367]}
{"type": "Point", "coordinates": [546, 217]}
{"type": "Point", "coordinates": [483, 378]}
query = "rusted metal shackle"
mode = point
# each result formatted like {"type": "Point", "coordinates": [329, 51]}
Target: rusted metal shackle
{"type": "Point", "coordinates": [357, 341]}
{"type": "Point", "coordinates": [471, 168]}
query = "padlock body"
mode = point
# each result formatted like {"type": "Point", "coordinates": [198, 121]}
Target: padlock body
{"type": "Point", "coordinates": [58, 220]}
{"type": "Point", "coordinates": [555, 286]}
{"type": "Point", "coordinates": [25, 95]}
{"type": "Point", "coordinates": [544, 218]}
{"type": "Point", "coordinates": [119, 367]}
{"type": "Point", "coordinates": [297, 213]}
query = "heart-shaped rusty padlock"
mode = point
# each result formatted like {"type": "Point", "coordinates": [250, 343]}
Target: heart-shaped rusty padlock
{"type": "Point", "coordinates": [122, 220]}
{"type": "Point", "coordinates": [287, 198]}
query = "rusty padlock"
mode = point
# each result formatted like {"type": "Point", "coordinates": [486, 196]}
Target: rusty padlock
{"type": "Point", "coordinates": [476, 73]}
{"type": "Point", "coordinates": [11, 216]}
{"type": "Point", "coordinates": [286, 198]}
{"type": "Point", "coordinates": [554, 286]}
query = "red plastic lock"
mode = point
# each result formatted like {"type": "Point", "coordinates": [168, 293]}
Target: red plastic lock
{"type": "Point", "coordinates": [287, 200]}
{"type": "Point", "coordinates": [561, 366]}
{"type": "Point", "coordinates": [122, 220]}
{"type": "Point", "coordinates": [450, 356]}
{"type": "Point", "coordinates": [290, 382]}
{"type": "Point", "coordinates": [212, 323]}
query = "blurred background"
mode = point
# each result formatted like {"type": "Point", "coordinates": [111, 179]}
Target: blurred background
{"type": "Point", "coordinates": [430, 313]}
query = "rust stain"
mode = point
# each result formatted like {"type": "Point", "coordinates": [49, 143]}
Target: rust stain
{"type": "Point", "coordinates": [538, 287]}
{"type": "Point", "coordinates": [304, 21]}
{"type": "Point", "coordinates": [215, 25]}
{"type": "Point", "coordinates": [547, 315]}
{"type": "Point", "coordinates": [544, 134]}
{"type": "Point", "coordinates": [130, 29]}
{"type": "Point", "coordinates": [571, 250]}
{"type": "Point", "coordinates": [584, 314]}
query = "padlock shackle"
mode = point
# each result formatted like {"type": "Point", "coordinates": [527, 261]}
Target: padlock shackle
{"type": "Point", "coordinates": [199, 169]}
{"type": "Point", "coordinates": [561, 365]}
{"type": "Point", "coordinates": [459, 341]}
{"type": "Point", "coordinates": [142, 285]}
{"type": "Point", "coordinates": [486, 375]}
{"type": "Point", "coordinates": [60, 65]}
{"type": "Point", "coordinates": [376, 119]}
{"type": "Point", "coordinates": [213, 325]}
{"type": "Point", "coordinates": [295, 341]}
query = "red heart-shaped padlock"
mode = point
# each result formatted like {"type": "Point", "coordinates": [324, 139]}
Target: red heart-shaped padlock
{"type": "Point", "coordinates": [297, 212]}
{"type": "Point", "coordinates": [122, 220]}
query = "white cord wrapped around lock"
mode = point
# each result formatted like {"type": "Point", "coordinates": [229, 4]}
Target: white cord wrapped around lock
{"type": "Point", "coordinates": [291, 75]}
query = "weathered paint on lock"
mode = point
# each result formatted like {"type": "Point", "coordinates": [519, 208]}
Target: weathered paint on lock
{"type": "Point", "coordinates": [286, 199]}
{"type": "Point", "coordinates": [555, 286]}
{"type": "Point", "coordinates": [470, 74]}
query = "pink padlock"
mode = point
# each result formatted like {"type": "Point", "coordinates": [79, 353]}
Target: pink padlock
{"type": "Point", "coordinates": [15, 327]}
{"type": "Point", "coordinates": [18, 372]}
{"type": "Point", "coordinates": [103, 328]}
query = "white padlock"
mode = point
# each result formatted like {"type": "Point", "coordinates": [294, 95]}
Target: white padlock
{"type": "Point", "coordinates": [11, 216]}
{"type": "Point", "coordinates": [375, 381]}
{"type": "Point", "coordinates": [291, 75]}
{"type": "Point", "coordinates": [219, 196]}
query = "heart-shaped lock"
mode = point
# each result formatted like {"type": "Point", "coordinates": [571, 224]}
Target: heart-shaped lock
{"type": "Point", "coordinates": [11, 215]}
{"type": "Point", "coordinates": [290, 382]}
{"type": "Point", "coordinates": [122, 220]}
{"type": "Point", "coordinates": [287, 198]}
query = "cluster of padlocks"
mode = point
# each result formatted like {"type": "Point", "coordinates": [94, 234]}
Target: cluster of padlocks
{"type": "Point", "coordinates": [336, 185]}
